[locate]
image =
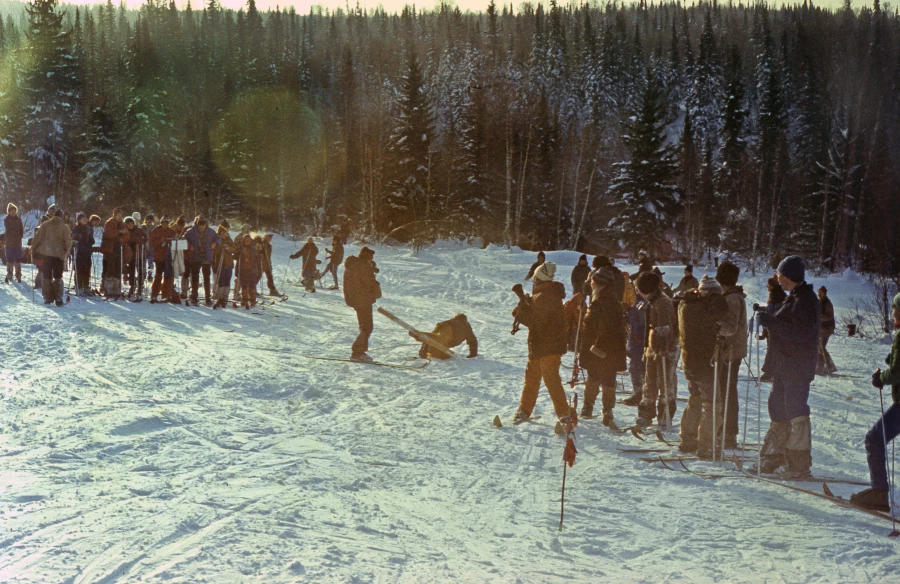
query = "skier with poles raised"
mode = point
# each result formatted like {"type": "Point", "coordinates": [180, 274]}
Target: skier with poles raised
{"type": "Point", "coordinates": [791, 361]}
{"type": "Point", "coordinates": [83, 236]}
{"type": "Point", "coordinates": [734, 348]}
{"type": "Point", "coordinates": [602, 344]}
{"type": "Point", "coordinates": [658, 400]}
{"type": "Point", "coordinates": [879, 496]}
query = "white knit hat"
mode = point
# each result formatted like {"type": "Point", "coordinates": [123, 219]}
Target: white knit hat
{"type": "Point", "coordinates": [136, 216]}
{"type": "Point", "coordinates": [710, 285]}
{"type": "Point", "coordinates": [544, 272]}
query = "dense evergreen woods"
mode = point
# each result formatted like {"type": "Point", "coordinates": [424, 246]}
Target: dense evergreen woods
{"type": "Point", "coordinates": [712, 127]}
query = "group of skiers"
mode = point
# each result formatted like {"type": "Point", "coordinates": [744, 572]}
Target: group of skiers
{"type": "Point", "coordinates": [613, 317]}
{"type": "Point", "coordinates": [133, 250]}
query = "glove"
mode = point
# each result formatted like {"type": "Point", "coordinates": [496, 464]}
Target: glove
{"type": "Point", "coordinates": [598, 351]}
{"type": "Point", "coordinates": [876, 380]}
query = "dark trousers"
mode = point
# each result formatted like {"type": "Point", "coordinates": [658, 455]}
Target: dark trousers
{"type": "Point", "coordinates": [888, 426]}
{"type": "Point", "coordinates": [366, 326]}
{"type": "Point", "coordinates": [82, 277]}
{"type": "Point", "coordinates": [636, 371]}
{"type": "Point", "coordinates": [196, 268]}
{"type": "Point", "coordinates": [270, 281]}
{"type": "Point", "coordinates": [332, 269]}
{"type": "Point", "coordinates": [788, 400]}
{"type": "Point", "coordinates": [53, 268]}
{"type": "Point", "coordinates": [732, 413]}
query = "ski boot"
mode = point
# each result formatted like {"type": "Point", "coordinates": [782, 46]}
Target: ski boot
{"type": "Point", "coordinates": [874, 499]}
{"type": "Point", "coordinates": [209, 302]}
{"type": "Point", "coordinates": [607, 418]}
{"type": "Point", "coordinates": [520, 417]}
{"type": "Point", "coordinates": [633, 401]}
{"type": "Point", "coordinates": [361, 357]}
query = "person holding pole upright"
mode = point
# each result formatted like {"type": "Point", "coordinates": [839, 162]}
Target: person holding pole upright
{"type": "Point", "coordinates": [83, 236]}
{"type": "Point", "coordinates": [734, 348]}
{"type": "Point", "coordinates": [658, 399]}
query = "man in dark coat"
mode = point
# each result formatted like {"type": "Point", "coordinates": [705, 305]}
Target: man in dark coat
{"type": "Point", "coordinates": [602, 344]}
{"type": "Point", "coordinates": [111, 248]}
{"type": "Point", "coordinates": [308, 265]}
{"type": "Point", "coordinates": [660, 344]}
{"type": "Point", "coordinates": [201, 240]}
{"type": "Point", "coordinates": [164, 280]}
{"type": "Point", "coordinates": [541, 258]}
{"type": "Point", "coordinates": [543, 314]}
{"type": "Point", "coordinates": [700, 313]}
{"type": "Point", "coordinates": [688, 282]}
{"type": "Point", "coordinates": [580, 274]}
{"type": "Point", "coordinates": [886, 429]}
{"type": "Point", "coordinates": [83, 236]}
{"type": "Point", "coordinates": [361, 290]}
{"type": "Point", "coordinates": [15, 231]}
{"type": "Point", "coordinates": [825, 365]}
{"type": "Point", "coordinates": [450, 333]}
{"type": "Point", "coordinates": [791, 361]}
{"type": "Point", "coordinates": [734, 346]}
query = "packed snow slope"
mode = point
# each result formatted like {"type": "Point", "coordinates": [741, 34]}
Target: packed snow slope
{"type": "Point", "coordinates": [154, 443]}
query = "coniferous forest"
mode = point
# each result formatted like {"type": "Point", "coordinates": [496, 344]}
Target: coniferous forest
{"type": "Point", "coordinates": [689, 130]}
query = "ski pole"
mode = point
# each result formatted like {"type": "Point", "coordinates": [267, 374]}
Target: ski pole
{"type": "Point", "coordinates": [758, 406]}
{"type": "Point", "coordinates": [749, 375]}
{"type": "Point", "coordinates": [725, 411]}
{"type": "Point", "coordinates": [665, 382]}
{"type": "Point", "coordinates": [715, 391]}
{"type": "Point", "coordinates": [894, 532]}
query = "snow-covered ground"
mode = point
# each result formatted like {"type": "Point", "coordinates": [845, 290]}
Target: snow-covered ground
{"type": "Point", "coordinates": [147, 442]}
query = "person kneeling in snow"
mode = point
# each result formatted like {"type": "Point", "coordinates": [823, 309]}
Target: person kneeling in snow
{"type": "Point", "coordinates": [543, 314]}
{"type": "Point", "coordinates": [886, 429]}
{"type": "Point", "coordinates": [449, 333]}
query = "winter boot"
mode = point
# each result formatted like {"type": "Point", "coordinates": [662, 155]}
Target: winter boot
{"type": "Point", "coordinates": [587, 412]}
{"type": "Point", "coordinates": [209, 301]}
{"type": "Point", "coordinates": [634, 400]}
{"type": "Point", "coordinates": [58, 288]}
{"type": "Point", "coordinates": [731, 443]}
{"type": "Point", "coordinates": [361, 357]}
{"type": "Point", "coordinates": [520, 416]}
{"type": "Point", "coordinates": [47, 290]}
{"type": "Point", "coordinates": [874, 499]}
{"type": "Point", "coordinates": [607, 418]}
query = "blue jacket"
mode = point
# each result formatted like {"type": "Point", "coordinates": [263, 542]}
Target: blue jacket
{"type": "Point", "coordinates": [201, 251]}
{"type": "Point", "coordinates": [793, 337]}
{"type": "Point", "coordinates": [83, 236]}
{"type": "Point", "coordinates": [636, 322]}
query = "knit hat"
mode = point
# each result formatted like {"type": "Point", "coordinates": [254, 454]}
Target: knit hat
{"type": "Point", "coordinates": [165, 219]}
{"type": "Point", "coordinates": [51, 209]}
{"type": "Point", "coordinates": [136, 216]}
{"type": "Point", "coordinates": [544, 272]}
{"type": "Point", "coordinates": [648, 283]}
{"type": "Point", "coordinates": [95, 218]}
{"type": "Point", "coordinates": [823, 289]}
{"type": "Point", "coordinates": [130, 220]}
{"type": "Point", "coordinates": [600, 262]}
{"type": "Point", "coordinates": [792, 268]}
{"type": "Point", "coordinates": [727, 274]}
{"type": "Point", "coordinates": [710, 285]}
{"type": "Point", "coordinates": [583, 257]}
{"type": "Point", "coordinates": [79, 216]}
{"type": "Point", "coordinates": [689, 268]}
{"type": "Point", "coordinates": [603, 276]}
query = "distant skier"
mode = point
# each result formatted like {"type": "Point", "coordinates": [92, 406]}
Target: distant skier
{"type": "Point", "coordinates": [825, 365]}
{"type": "Point", "coordinates": [688, 282]}
{"type": "Point", "coordinates": [247, 258]}
{"type": "Point", "coordinates": [885, 429]}
{"type": "Point", "coordinates": [308, 252]}
{"type": "Point", "coordinates": [602, 344]}
{"type": "Point", "coordinates": [541, 258]}
{"type": "Point", "coordinates": [449, 333]}
{"type": "Point", "coordinates": [266, 258]}
{"type": "Point", "coordinates": [791, 360]}
{"type": "Point", "coordinates": [164, 280]}
{"type": "Point", "coordinates": [660, 353]}
{"type": "Point", "coordinates": [580, 274]}
{"type": "Point", "coordinates": [361, 290]}
{"type": "Point", "coordinates": [201, 240]}
{"type": "Point", "coordinates": [15, 232]}
{"type": "Point", "coordinates": [83, 236]}
{"type": "Point", "coordinates": [335, 257]}
{"type": "Point", "coordinates": [543, 314]}
{"type": "Point", "coordinates": [52, 241]}
{"type": "Point", "coordinates": [148, 226]}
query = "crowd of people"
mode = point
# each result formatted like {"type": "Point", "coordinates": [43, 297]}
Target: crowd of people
{"type": "Point", "coordinates": [615, 322]}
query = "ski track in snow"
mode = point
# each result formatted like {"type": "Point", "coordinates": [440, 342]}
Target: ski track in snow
{"type": "Point", "coordinates": [173, 443]}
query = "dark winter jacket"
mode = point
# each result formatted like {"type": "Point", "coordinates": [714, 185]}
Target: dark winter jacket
{"type": "Point", "coordinates": [457, 330]}
{"type": "Point", "coordinates": [247, 259]}
{"type": "Point", "coordinates": [604, 328]}
{"type": "Point", "coordinates": [265, 255]}
{"type": "Point", "coordinates": [160, 240]}
{"type": "Point", "coordinates": [543, 314]}
{"type": "Point", "coordinates": [687, 284]}
{"type": "Point", "coordinates": [892, 375]}
{"type": "Point", "coordinates": [223, 255]}
{"type": "Point", "coordinates": [337, 254]}
{"type": "Point", "coordinates": [579, 275]}
{"type": "Point", "coordinates": [617, 286]}
{"type": "Point", "coordinates": [661, 331]}
{"type": "Point", "coordinates": [827, 309]}
{"type": "Point", "coordinates": [793, 337]}
{"type": "Point", "coordinates": [15, 231]}
{"type": "Point", "coordinates": [532, 269]}
{"type": "Point", "coordinates": [636, 317]}
{"type": "Point", "coordinates": [361, 289]}
{"type": "Point", "coordinates": [734, 325]}
{"type": "Point", "coordinates": [83, 236]}
{"type": "Point", "coordinates": [308, 252]}
{"type": "Point", "coordinates": [699, 318]}
{"type": "Point", "coordinates": [52, 239]}
{"type": "Point", "coordinates": [112, 236]}
{"type": "Point", "coordinates": [200, 244]}
{"type": "Point", "coordinates": [136, 240]}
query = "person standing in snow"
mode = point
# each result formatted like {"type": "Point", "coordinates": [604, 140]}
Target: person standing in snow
{"type": "Point", "coordinates": [580, 274]}
{"type": "Point", "coordinates": [164, 280]}
{"type": "Point", "coordinates": [541, 258]}
{"type": "Point", "coordinates": [335, 257]}
{"type": "Point", "coordinates": [247, 258]}
{"type": "Point", "coordinates": [825, 365]}
{"type": "Point", "coordinates": [148, 226]}
{"type": "Point", "coordinates": [660, 353]}
{"type": "Point", "coordinates": [111, 248]}
{"type": "Point", "coordinates": [182, 265]}
{"type": "Point", "coordinates": [83, 236]}
{"type": "Point", "coordinates": [245, 230]}
{"type": "Point", "coordinates": [688, 282]}
{"type": "Point", "coordinates": [734, 346]}
{"type": "Point", "coordinates": [449, 333]}
{"type": "Point", "coordinates": [361, 290]}
{"type": "Point", "coordinates": [266, 258]}
{"type": "Point", "coordinates": [134, 265]}
{"type": "Point", "coordinates": [223, 262]}
{"type": "Point", "coordinates": [636, 315]}
{"type": "Point", "coordinates": [700, 313]}
{"type": "Point", "coordinates": [791, 361]}
{"type": "Point", "coordinates": [52, 241]}
{"type": "Point", "coordinates": [201, 240]}
{"type": "Point", "coordinates": [543, 314]}
{"type": "Point", "coordinates": [15, 232]}
{"type": "Point", "coordinates": [602, 344]}
{"type": "Point", "coordinates": [308, 264]}
{"type": "Point", "coordinates": [885, 429]}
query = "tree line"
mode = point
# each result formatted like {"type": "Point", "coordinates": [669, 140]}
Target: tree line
{"type": "Point", "coordinates": [688, 130]}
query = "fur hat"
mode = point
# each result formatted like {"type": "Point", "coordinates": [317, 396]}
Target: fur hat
{"type": "Point", "coordinates": [603, 276]}
{"type": "Point", "coordinates": [727, 274]}
{"type": "Point", "coordinates": [793, 268]}
{"type": "Point", "coordinates": [648, 282]}
{"type": "Point", "coordinates": [544, 272]}
{"type": "Point", "coordinates": [11, 207]}
{"type": "Point", "coordinates": [710, 285]}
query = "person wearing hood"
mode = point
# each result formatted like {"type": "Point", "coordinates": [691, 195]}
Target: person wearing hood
{"type": "Point", "coordinates": [15, 232]}
{"type": "Point", "coordinates": [308, 264]}
{"type": "Point", "coordinates": [885, 429]}
{"type": "Point", "coordinates": [52, 241]}
{"type": "Point", "coordinates": [602, 344]}
{"type": "Point", "coordinates": [541, 258]}
{"type": "Point", "coordinates": [201, 240]}
{"type": "Point", "coordinates": [733, 331]}
{"type": "Point", "coordinates": [791, 361]}
{"type": "Point", "coordinates": [580, 274]}
{"type": "Point", "coordinates": [544, 316]}
{"type": "Point", "coordinates": [361, 290]}
{"type": "Point", "coordinates": [83, 236]}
